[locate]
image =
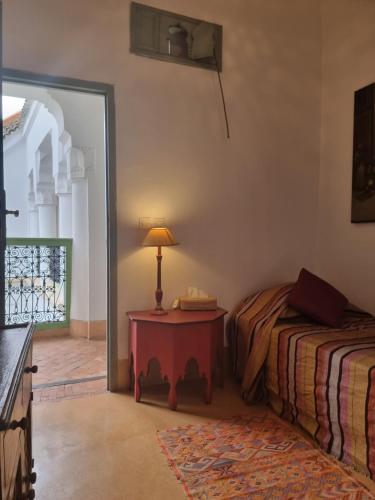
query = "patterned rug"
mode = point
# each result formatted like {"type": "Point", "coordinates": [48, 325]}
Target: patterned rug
{"type": "Point", "coordinates": [254, 457]}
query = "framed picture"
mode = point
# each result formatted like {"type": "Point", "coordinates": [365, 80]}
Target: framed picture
{"type": "Point", "coordinates": [363, 184]}
{"type": "Point", "coordinates": [175, 38]}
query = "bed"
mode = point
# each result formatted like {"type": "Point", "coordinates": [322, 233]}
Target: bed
{"type": "Point", "coordinates": [319, 377]}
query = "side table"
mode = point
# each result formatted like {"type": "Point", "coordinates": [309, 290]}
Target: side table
{"type": "Point", "coordinates": [174, 339]}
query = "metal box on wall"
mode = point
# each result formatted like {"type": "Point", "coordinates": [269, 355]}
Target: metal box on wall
{"type": "Point", "coordinates": [171, 37]}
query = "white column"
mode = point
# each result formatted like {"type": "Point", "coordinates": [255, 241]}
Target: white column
{"type": "Point", "coordinates": [80, 275]}
{"type": "Point", "coordinates": [47, 221]}
{"type": "Point", "coordinates": [80, 235]}
{"type": "Point", "coordinates": [65, 215]}
{"type": "Point", "coordinates": [33, 217]}
{"type": "Point", "coordinates": [33, 231]}
{"type": "Point", "coordinates": [64, 193]}
{"type": "Point", "coordinates": [47, 211]}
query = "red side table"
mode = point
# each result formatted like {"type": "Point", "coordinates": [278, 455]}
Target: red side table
{"type": "Point", "coordinates": [173, 340]}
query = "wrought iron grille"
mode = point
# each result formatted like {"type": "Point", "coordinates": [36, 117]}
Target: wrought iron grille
{"type": "Point", "coordinates": [37, 281]}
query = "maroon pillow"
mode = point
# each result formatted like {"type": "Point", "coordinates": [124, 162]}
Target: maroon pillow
{"type": "Point", "coordinates": [318, 299]}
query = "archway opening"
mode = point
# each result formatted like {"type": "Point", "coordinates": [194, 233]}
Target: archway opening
{"type": "Point", "coordinates": [55, 174]}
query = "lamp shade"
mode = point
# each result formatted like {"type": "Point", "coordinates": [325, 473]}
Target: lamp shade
{"type": "Point", "coordinates": [159, 237]}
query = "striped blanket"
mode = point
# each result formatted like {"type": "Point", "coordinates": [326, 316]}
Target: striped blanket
{"type": "Point", "coordinates": [319, 377]}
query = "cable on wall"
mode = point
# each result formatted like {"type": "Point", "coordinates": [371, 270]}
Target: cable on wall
{"type": "Point", "coordinates": [222, 96]}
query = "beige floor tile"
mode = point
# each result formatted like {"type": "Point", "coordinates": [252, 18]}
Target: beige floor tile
{"type": "Point", "coordinates": [104, 447]}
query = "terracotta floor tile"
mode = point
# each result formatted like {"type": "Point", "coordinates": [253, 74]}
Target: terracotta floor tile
{"type": "Point", "coordinates": [66, 359]}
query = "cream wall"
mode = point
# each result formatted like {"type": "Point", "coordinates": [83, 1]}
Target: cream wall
{"type": "Point", "coordinates": [345, 251]}
{"type": "Point", "coordinates": [243, 209]}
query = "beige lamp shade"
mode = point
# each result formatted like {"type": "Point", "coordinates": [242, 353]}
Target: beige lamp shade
{"type": "Point", "coordinates": [159, 237]}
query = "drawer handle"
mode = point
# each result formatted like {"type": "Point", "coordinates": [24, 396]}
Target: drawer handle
{"type": "Point", "coordinates": [14, 425]}
{"type": "Point", "coordinates": [32, 369]}
{"type": "Point", "coordinates": [18, 424]}
{"type": "Point", "coordinates": [30, 495]}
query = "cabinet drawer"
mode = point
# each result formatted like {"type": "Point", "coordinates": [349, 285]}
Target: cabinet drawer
{"type": "Point", "coordinates": [15, 410]}
{"type": "Point", "coordinates": [27, 383]}
{"type": "Point", "coordinates": [13, 440]}
{"type": "Point", "coordinates": [11, 445]}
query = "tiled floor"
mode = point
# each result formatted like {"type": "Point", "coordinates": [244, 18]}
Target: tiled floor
{"type": "Point", "coordinates": [61, 359]}
{"type": "Point", "coordinates": [67, 358]}
{"type": "Point", "coordinates": [70, 391]}
{"type": "Point", "coordinates": [105, 447]}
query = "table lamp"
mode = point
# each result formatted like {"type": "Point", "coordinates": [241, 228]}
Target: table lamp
{"type": "Point", "coordinates": [159, 237]}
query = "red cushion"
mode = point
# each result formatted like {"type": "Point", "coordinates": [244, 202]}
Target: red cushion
{"type": "Point", "coordinates": [318, 299]}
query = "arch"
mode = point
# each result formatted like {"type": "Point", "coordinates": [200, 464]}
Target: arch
{"type": "Point", "coordinates": [40, 95]}
{"type": "Point", "coordinates": [43, 97]}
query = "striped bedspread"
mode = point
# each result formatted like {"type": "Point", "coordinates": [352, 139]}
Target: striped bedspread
{"type": "Point", "coordinates": [319, 377]}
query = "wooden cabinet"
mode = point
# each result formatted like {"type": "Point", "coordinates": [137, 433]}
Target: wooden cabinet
{"type": "Point", "coordinates": [16, 370]}
{"type": "Point", "coordinates": [174, 339]}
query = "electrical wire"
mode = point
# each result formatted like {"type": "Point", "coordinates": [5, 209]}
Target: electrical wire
{"type": "Point", "coordinates": [222, 96]}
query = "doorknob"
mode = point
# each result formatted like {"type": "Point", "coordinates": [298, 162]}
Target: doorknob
{"type": "Point", "coordinates": [16, 213]}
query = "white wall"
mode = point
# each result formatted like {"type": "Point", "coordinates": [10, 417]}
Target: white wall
{"type": "Point", "coordinates": [346, 251]}
{"type": "Point", "coordinates": [243, 209]}
{"type": "Point", "coordinates": [20, 150]}
{"type": "Point", "coordinates": [15, 181]}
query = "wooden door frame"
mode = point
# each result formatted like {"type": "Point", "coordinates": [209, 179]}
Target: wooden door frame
{"type": "Point", "coordinates": [107, 91]}
{"type": "Point", "coordinates": [2, 192]}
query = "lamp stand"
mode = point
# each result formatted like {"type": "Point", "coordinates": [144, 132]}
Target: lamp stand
{"type": "Point", "coordinates": [159, 311]}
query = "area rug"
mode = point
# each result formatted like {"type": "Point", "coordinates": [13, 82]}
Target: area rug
{"type": "Point", "coordinates": [254, 457]}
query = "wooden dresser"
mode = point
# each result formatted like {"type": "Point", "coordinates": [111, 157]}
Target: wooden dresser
{"type": "Point", "coordinates": [16, 371]}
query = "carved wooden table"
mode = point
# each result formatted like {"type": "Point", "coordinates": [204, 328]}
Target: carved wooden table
{"type": "Point", "coordinates": [174, 339]}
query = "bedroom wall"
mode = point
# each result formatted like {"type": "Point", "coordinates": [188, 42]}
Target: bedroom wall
{"type": "Point", "coordinates": [244, 209]}
{"type": "Point", "coordinates": [345, 251]}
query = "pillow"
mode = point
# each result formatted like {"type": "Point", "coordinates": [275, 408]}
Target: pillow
{"type": "Point", "coordinates": [290, 313]}
{"type": "Point", "coordinates": [353, 310]}
{"type": "Point", "coordinates": [317, 299]}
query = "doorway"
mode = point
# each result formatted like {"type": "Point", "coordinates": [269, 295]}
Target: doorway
{"type": "Point", "coordinates": [59, 162]}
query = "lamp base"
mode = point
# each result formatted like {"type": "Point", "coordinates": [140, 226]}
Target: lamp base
{"type": "Point", "coordinates": [158, 312]}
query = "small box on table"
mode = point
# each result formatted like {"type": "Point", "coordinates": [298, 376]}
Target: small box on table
{"type": "Point", "coordinates": [198, 303]}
